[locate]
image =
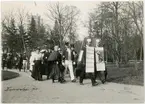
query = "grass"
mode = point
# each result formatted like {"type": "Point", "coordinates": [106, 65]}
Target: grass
{"type": "Point", "coordinates": [126, 75]}
{"type": "Point", "coordinates": [6, 75]}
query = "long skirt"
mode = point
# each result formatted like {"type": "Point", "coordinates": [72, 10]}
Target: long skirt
{"type": "Point", "coordinates": [55, 72]}
{"type": "Point", "coordinates": [36, 73]}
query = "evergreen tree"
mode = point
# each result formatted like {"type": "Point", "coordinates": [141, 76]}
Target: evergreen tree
{"type": "Point", "coordinates": [13, 40]}
{"type": "Point", "coordinates": [55, 36]}
{"type": "Point", "coordinates": [32, 32]}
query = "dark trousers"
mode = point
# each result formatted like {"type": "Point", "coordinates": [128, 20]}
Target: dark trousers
{"type": "Point", "coordinates": [20, 66]}
{"type": "Point", "coordinates": [102, 75]}
{"type": "Point", "coordinates": [62, 69]}
{"type": "Point", "coordinates": [82, 76]}
{"type": "Point", "coordinates": [74, 69]}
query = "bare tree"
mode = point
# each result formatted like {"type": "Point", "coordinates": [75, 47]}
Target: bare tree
{"type": "Point", "coordinates": [135, 12]}
{"type": "Point", "coordinates": [22, 16]}
{"type": "Point", "coordinates": [66, 16]}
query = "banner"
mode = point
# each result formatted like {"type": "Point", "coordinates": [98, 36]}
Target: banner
{"type": "Point", "coordinates": [100, 64]}
{"type": "Point", "coordinates": [80, 56]}
{"type": "Point", "coordinates": [89, 59]}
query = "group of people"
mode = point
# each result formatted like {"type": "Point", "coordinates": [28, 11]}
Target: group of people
{"type": "Point", "coordinates": [58, 63]}
{"type": "Point", "coordinates": [13, 60]}
{"type": "Point", "coordinates": [55, 64]}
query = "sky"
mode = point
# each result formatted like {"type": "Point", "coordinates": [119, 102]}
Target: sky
{"type": "Point", "coordinates": [40, 7]}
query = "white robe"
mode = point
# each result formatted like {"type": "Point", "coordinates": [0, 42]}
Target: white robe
{"type": "Point", "coordinates": [32, 58]}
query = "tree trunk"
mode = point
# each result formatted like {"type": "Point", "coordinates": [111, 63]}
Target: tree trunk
{"type": "Point", "coordinates": [126, 58]}
{"type": "Point", "coordinates": [106, 56]}
{"type": "Point", "coordinates": [135, 62]}
{"type": "Point", "coordinates": [141, 52]}
{"type": "Point", "coordinates": [117, 63]}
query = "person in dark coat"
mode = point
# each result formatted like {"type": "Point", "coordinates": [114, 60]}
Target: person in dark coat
{"type": "Point", "coordinates": [4, 60]}
{"type": "Point", "coordinates": [82, 66]}
{"type": "Point", "coordinates": [74, 58]}
{"type": "Point", "coordinates": [20, 64]}
{"type": "Point", "coordinates": [54, 60]}
{"type": "Point", "coordinates": [9, 61]}
{"type": "Point", "coordinates": [46, 63]}
{"type": "Point", "coordinates": [61, 66]}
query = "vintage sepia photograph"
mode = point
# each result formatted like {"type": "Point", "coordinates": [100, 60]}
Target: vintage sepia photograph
{"type": "Point", "coordinates": [72, 51]}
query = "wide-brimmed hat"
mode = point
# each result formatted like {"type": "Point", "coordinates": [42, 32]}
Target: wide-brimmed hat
{"type": "Point", "coordinates": [43, 50]}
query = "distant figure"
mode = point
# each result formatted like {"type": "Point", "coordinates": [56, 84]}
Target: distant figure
{"type": "Point", "coordinates": [20, 64]}
{"type": "Point", "coordinates": [17, 61]}
{"type": "Point", "coordinates": [9, 60]}
{"type": "Point", "coordinates": [4, 60]}
{"type": "Point", "coordinates": [74, 57]}
{"type": "Point", "coordinates": [25, 62]}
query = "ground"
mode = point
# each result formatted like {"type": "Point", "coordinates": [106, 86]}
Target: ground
{"type": "Point", "coordinates": [24, 89]}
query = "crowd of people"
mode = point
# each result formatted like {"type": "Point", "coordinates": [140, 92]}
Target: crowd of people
{"type": "Point", "coordinates": [13, 60]}
{"type": "Point", "coordinates": [55, 64]}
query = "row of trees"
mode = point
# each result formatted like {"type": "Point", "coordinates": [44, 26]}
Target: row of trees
{"type": "Point", "coordinates": [23, 31]}
{"type": "Point", "coordinates": [119, 25]}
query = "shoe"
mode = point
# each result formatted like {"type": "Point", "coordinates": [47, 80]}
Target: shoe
{"type": "Point", "coordinates": [81, 84]}
{"type": "Point", "coordinates": [47, 78]}
{"type": "Point", "coordinates": [59, 80]}
{"type": "Point", "coordinates": [95, 81]}
{"type": "Point", "coordinates": [40, 80]}
{"type": "Point", "coordinates": [94, 84]}
{"type": "Point", "coordinates": [52, 80]}
{"type": "Point", "coordinates": [103, 81]}
{"type": "Point", "coordinates": [62, 81]}
{"type": "Point", "coordinates": [73, 80]}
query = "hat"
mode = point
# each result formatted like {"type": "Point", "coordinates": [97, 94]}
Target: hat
{"type": "Point", "coordinates": [66, 43]}
{"type": "Point", "coordinates": [72, 45]}
{"type": "Point", "coordinates": [43, 50]}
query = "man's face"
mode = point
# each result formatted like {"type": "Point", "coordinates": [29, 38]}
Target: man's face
{"type": "Point", "coordinates": [72, 48]}
{"type": "Point", "coordinates": [37, 51]}
{"type": "Point", "coordinates": [56, 48]}
{"type": "Point", "coordinates": [88, 42]}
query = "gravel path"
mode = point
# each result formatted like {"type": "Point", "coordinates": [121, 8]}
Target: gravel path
{"type": "Point", "coordinates": [24, 89]}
